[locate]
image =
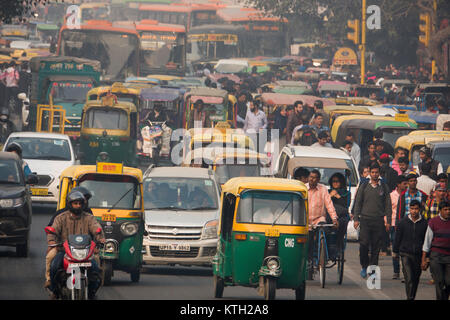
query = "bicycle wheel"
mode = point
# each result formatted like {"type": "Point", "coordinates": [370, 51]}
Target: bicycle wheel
{"type": "Point", "coordinates": [322, 261]}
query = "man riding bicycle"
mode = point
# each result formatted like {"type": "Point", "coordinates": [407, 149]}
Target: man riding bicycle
{"type": "Point", "coordinates": [319, 203]}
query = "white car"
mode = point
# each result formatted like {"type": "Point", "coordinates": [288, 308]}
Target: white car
{"type": "Point", "coordinates": [326, 160]}
{"type": "Point", "coordinates": [47, 155]}
{"type": "Point", "coordinates": [180, 223]}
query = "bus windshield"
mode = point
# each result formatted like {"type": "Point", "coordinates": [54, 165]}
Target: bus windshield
{"type": "Point", "coordinates": [117, 52]}
{"type": "Point", "coordinates": [162, 48]}
{"type": "Point", "coordinates": [212, 46]}
{"type": "Point", "coordinates": [106, 118]}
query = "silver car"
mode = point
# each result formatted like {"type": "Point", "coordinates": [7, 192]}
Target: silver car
{"type": "Point", "coordinates": [181, 216]}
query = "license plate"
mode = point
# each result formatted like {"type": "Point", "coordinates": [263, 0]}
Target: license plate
{"type": "Point", "coordinates": [39, 191]}
{"type": "Point", "coordinates": [108, 217]}
{"type": "Point", "coordinates": [81, 264]}
{"type": "Point", "coordinates": [175, 247]}
{"type": "Point", "coordinates": [272, 233]}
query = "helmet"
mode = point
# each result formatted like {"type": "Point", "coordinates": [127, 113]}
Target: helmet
{"type": "Point", "coordinates": [75, 196]}
{"type": "Point", "coordinates": [14, 147]}
{"type": "Point", "coordinates": [86, 193]}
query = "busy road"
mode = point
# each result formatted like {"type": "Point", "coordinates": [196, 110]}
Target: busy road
{"type": "Point", "coordinates": [23, 278]}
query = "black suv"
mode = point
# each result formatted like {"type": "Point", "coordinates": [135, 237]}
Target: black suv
{"type": "Point", "coordinates": [15, 203]}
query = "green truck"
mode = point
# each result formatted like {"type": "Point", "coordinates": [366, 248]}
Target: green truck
{"type": "Point", "coordinates": [62, 81]}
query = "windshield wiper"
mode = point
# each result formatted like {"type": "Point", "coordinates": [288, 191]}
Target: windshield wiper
{"type": "Point", "coordinates": [174, 208]}
{"type": "Point", "coordinates": [115, 204]}
{"type": "Point", "coordinates": [275, 220]}
{"type": "Point", "coordinates": [204, 208]}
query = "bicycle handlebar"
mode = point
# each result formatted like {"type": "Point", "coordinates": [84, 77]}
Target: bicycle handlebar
{"type": "Point", "coordinates": [315, 226]}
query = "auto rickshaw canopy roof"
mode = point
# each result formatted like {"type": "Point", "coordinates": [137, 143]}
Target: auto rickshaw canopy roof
{"type": "Point", "coordinates": [271, 98]}
{"type": "Point", "coordinates": [237, 185]}
{"type": "Point", "coordinates": [160, 94]}
{"type": "Point", "coordinates": [355, 101]}
{"type": "Point", "coordinates": [205, 135]}
{"type": "Point", "coordinates": [423, 117]}
{"type": "Point", "coordinates": [206, 94]}
{"type": "Point", "coordinates": [124, 105]}
{"type": "Point", "coordinates": [421, 137]}
{"type": "Point", "coordinates": [441, 119]}
{"type": "Point", "coordinates": [78, 171]}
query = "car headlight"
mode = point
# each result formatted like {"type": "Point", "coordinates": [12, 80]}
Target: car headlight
{"type": "Point", "coordinates": [210, 230]}
{"type": "Point", "coordinates": [129, 228]}
{"type": "Point", "coordinates": [11, 203]}
{"type": "Point", "coordinates": [79, 254]}
{"type": "Point", "coordinates": [273, 264]}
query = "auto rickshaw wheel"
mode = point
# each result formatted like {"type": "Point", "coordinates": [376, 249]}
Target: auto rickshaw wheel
{"type": "Point", "coordinates": [270, 288]}
{"type": "Point", "coordinates": [300, 292]}
{"type": "Point", "coordinates": [135, 275]}
{"type": "Point", "coordinates": [107, 272]}
{"type": "Point", "coordinates": [218, 287]}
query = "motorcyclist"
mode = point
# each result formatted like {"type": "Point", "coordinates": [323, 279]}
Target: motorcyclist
{"type": "Point", "coordinates": [6, 126]}
{"type": "Point", "coordinates": [73, 221]}
{"type": "Point", "coordinates": [15, 147]}
{"type": "Point", "coordinates": [52, 253]}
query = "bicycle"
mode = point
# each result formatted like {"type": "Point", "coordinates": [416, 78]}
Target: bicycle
{"type": "Point", "coordinates": [319, 262]}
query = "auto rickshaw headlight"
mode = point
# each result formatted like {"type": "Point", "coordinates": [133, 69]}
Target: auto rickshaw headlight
{"type": "Point", "coordinates": [129, 228]}
{"type": "Point", "coordinates": [210, 230]}
{"type": "Point", "coordinates": [273, 264]}
{"type": "Point", "coordinates": [110, 246]}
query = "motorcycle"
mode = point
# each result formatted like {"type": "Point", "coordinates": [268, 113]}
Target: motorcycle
{"type": "Point", "coordinates": [73, 277]}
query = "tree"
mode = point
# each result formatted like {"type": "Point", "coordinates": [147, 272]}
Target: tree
{"type": "Point", "coordinates": [11, 9]}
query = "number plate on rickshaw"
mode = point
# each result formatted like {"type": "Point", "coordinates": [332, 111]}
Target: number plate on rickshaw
{"type": "Point", "coordinates": [272, 233]}
{"type": "Point", "coordinates": [39, 191]}
{"type": "Point", "coordinates": [175, 247]}
{"type": "Point", "coordinates": [108, 217]}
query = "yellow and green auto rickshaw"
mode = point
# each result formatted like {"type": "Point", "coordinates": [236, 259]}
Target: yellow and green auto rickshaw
{"type": "Point", "coordinates": [118, 205]}
{"type": "Point", "coordinates": [218, 104]}
{"type": "Point", "coordinates": [109, 132]}
{"type": "Point", "coordinates": [415, 140]}
{"type": "Point", "coordinates": [127, 92]}
{"type": "Point", "coordinates": [263, 236]}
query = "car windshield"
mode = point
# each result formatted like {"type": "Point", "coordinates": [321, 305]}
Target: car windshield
{"type": "Point", "coordinates": [9, 172]}
{"type": "Point", "coordinates": [326, 173]}
{"type": "Point", "coordinates": [279, 208]}
{"type": "Point", "coordinates": [43, 148]}
{"type": "Point", "coordinates": [106, 118]}
{"type": "Point", "coordinates": [70, 91]}
{"type": "Point", "coordinates": [122, 192]}
{"type": "Point", "coordinates": [180, 194]}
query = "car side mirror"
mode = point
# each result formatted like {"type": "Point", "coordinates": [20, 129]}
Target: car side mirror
{"type": "Point", "coordinates": [32, 179]}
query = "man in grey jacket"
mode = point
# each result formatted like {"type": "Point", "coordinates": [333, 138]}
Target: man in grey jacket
{"type": "Point", "coordinates": [372, 206]}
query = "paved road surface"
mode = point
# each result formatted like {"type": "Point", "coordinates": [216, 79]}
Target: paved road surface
{"type": "Point", "coordinates": [22, 278]}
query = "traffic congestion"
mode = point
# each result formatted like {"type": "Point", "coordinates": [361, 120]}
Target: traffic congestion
{"type": "Point", "coordinates": [144, 142]}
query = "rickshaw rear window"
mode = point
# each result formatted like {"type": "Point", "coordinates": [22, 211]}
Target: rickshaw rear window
{"type": "Point", "coordinates": [278, 208]}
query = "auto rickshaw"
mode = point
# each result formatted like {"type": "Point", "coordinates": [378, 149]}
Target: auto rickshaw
{"type": "Point", "coordinates": [339, 110]}
{"type": "Point", "coordinates": [263, 236]}
{"type": "Point", "coordinates": [364, 126]}
{"type": "Point", "coordinates": [123, 92]}
{"type": "Point", "coordinates": [355, 101]}
{"type": "Point", "coordinates": [329, 88]}
{"type": "Point", "coordinates": [230, 163]}
{"type": "Point", "coordinates": [418, 139]}
{"type": "Point", "coordinates": [292, 87]}
{"type": "Point", "coordinates": [110, 126]}
{"type": "Point", "coordinates": [221, 137]}
{"type": "Point", "coordinates": [117, 203]}
{"type": "Point", "coordinates": [425, 120]}
{"type": "Point", "coordinates": [217, 104]}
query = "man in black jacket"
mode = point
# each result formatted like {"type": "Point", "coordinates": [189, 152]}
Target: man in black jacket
{"type": "Point", "coordinates": [409, 238]}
